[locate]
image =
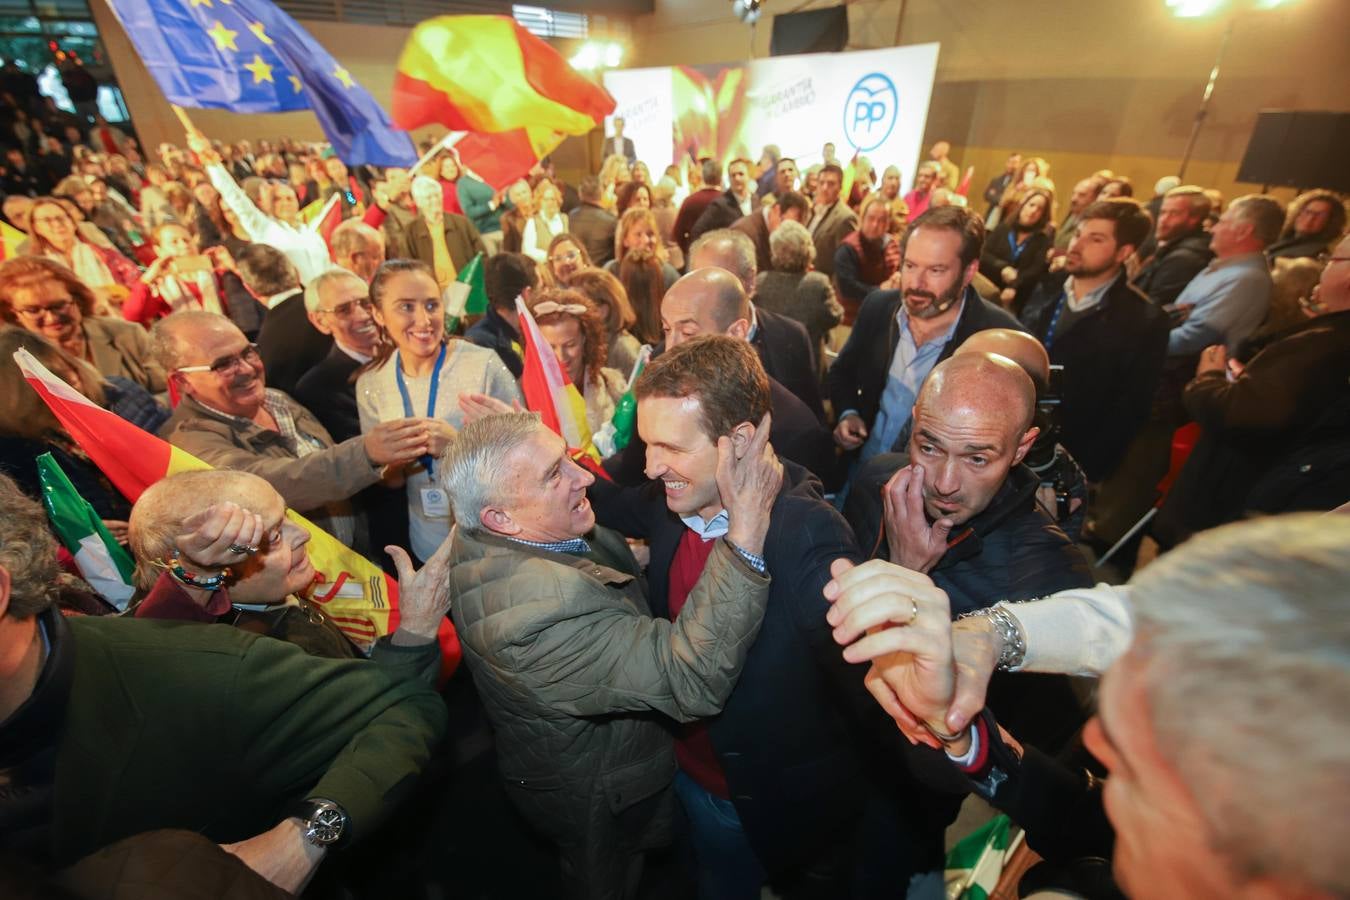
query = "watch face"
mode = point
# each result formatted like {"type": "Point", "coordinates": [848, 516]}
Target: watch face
{"type": "Point", "coordinates": [325, 826]}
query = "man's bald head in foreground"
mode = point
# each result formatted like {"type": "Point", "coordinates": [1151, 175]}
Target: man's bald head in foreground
{"type": "Point", "coordinates": [972, 425]}
{"type": "Point", "coordinates": [706, 301]}
{"type": "Point", "coordinates": [1017, 346]}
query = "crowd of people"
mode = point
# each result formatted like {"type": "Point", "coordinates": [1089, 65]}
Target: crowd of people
{"type": "Point", "coordinates": [841, 577]}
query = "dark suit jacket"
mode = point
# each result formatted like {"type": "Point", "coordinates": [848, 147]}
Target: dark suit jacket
{"type": "Point", "coordinates": [289, 343]}
{"type": "Point", "coordinates": [721, 213]}
{"type": "Point", "coordinates": [756, 228]}
{"type": "Point", "coordinates": [1112, 359]}
{"type": "Point", "coordinates": [785, 349]}
{"type": "Point", "coordinates": [594, 228]}
{"type": "Point", "coordinates": [795, 432]}
{"type": "Point", "coordinates": [247, 726]}
{"type": "Point", "coordinates": [1030, 261]}
{"type": "Point", "coordinates": [1166, 273]}
{"type": "Point", "coordinates": [626, 149]}
{"type": "Point", "coordinates": [796, 735]}
{"type": "Point", "coordinates": [327, 391]}
{"type": "Point", "coordinates": [493, 332]}
{"type": "Point", "coordinates": [858, 377]}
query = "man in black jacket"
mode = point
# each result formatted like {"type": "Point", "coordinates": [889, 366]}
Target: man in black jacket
{"type": "Point", "coordinates": [288, 342]}
{"type": "Point", "coordinates": [1183, 245]}
{"type": "Point", "coordinates": [506, 276]}
{"type": "Point", "coordinates": [964, 511]}
{"type": "Point", "coordinates": [782, 343]}
{"type": "Point", "coordinates": [593, 225]}
{"type": "Point", "coordinates": [337, 303]}
{"type": "Point", "coordinates": [738, 201]}
{"type": "Point", "coordinates": [1110, 340]}
{"type": "Point", "coordinates": [895, 344]}
{"type": "Point", "coordinates": [786, 766]}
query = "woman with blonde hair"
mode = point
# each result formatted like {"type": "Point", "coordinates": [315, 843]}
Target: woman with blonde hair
{"type": "Point", "coordinates": [566, 257]}
{"type": "Point", "coordinates": [575, 330]}
{"type": "Point", "coordinates": [609, 297]}
{"type": "Point", "coordinates": [54, 235]}
{"type": "Point", "coordinates": [639, 234]}
{"type": "Point", "coordinates": [614, 171]}
{"type": "Point", "coordinates": [548, 222]}
{"type": "Point", "coordinates": [666, 211]}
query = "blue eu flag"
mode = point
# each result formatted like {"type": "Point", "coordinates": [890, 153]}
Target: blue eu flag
{"type": "Point", "coordinates": [248, 56]}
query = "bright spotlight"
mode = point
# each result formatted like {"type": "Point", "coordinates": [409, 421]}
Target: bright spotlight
{"type": "Point", "coordinates": [1194, 9]}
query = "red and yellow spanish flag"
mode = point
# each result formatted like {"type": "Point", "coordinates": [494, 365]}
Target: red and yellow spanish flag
{"type": "Point", "coordinates": [549, 392]}
{"type": "Point", "coordinates": [489, 76]}
{"type": "Point", "coordinates": [10, 239]}
{"type": "Point", "coordinates": [354, 592]}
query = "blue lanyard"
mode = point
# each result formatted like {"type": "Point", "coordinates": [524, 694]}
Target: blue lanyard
{"type": "Point", "coordinates": [427, 462]}
{"type": "Point", "coordinates": [1054, 320]}
{"type": "Point", "coordinates": [1015, 247]}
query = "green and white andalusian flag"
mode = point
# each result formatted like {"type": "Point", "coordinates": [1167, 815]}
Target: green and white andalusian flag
{"type": "Point", "coordinates": [102, 561]}
{"type": "Point", "coordinates": [976, 862]}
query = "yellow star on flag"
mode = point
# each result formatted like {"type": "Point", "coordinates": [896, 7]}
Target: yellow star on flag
{"type": "Point", "coordinates": [343, 76]}
{"type": "Point", "coordinates": [261, 70]}
{"type": "Point", "coordinates": [197, 3]}
{"type": "Point", "coordinates": [295, 83]}
{"type": "Point", "coordinates": [259, 32]}
{"type": "Point", "coordinates": [223, 37]}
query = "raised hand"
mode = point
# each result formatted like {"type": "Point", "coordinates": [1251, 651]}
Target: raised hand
{"type": "Point", "coordinates": [423, 594]}
{"type": "Point", "coordinates": [398, 441]}
{"type": "Point", "coordinates": [914, 543]}
{"type": "Point", "coordinates": [476, 406]}
{"type": "Point", "coordinates": [223, 534]}
{"type": "Point", "coordinates": [749, 485]}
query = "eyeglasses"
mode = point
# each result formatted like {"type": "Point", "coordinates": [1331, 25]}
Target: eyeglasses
{"type": "Point", "coordinates": [35, 313]}
{"type": "Point", "coordinates": [345, 310]}
{"type": "Point", "coordinates": [228, 364]}
{"type": "Point", "coordinates": [569, 256]}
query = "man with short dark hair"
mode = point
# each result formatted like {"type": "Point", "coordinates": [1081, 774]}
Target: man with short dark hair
{"type": "Point", "coordinates": [592, 224]}
{"type": "Point", "coordinates": [1110, 340]}
{"type": "Point", "coordinates": [768, 795]}
{"type": "Point", "coordinates": [761, 223]}
{"type": "Point", "coordinates": [696, 203]}
{"type": "Point", "coordinates": [1084, 193]}
{"type": "Point", "coordinates": [900, 335]}
{"type": "Point", "coordinates": [506, 276]}
{"type": "Point", "coordinates": [1182, 250]}
{"type": "Point", "coordinates": [831, 219]}
{"type": "Point", "coordinates": [618, 145]}
{"type": "Point", "coordinates": [785, 176]}
{"type": "Point", "coordinates": [288, 342]}
{"type": "Point", "coordinates": [736, 203]}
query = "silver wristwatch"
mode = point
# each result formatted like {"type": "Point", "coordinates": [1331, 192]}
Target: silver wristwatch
{"type": "Point", "coordinates": [1012, 643]}
{"type": "Point", "coordinates": [325, 821]}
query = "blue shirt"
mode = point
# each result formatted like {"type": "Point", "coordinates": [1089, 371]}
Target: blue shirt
{"type": "Point", "coordinates": [716, 527]}
{"type": "Point", "coordinates": [909, 367]}
{"type": "Point", "coordinates": [1228, 299]}
{"type": "Point", "coordinates": [575, 546]}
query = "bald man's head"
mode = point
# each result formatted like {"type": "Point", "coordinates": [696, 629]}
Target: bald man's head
{"type": "Point", "coordinates": [706, 301]}
{"type": "Point", "coordinates": [1017, 346]}
{"type": "Point", "coordinates": [174, 506]}
{"type": "Point", "coordinates": [972, 424]}
{"type": "Point", "coordinates": [726, 248]}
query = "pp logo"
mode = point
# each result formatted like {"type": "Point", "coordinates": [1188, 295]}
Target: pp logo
{"type": "Point", "coordinates": [870, 112]}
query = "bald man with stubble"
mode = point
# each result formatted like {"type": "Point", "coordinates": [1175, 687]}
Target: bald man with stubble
{"type": "Point", "coordinates": [962, 508]}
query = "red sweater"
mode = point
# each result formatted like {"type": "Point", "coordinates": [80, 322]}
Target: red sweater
{"type": "Point", "coordinates": [694, 748]}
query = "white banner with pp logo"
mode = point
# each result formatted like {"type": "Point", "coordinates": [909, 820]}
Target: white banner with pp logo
{"type": "Point", "coordinates": [871, 103]}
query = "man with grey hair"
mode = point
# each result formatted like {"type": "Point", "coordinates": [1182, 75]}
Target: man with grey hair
{"type": "Point", "coordinates": [1181, 245]}
{"type": "Point", "coordinates": [1239, 621]}
{"type": "Point", "coordinates": [231, 419]}
{"type": "Point", "coordinates": [358, 248]}
{"type": "Point", "coordinates": [1229, 299]}
{"type": "Point", "coordinates": [788, 287]}
{"type": "Point", "coordinates": [565, 653]}
{"type": "Point", "coordinates": [338, 304]}
{"type": "Point", "coordinates": [782, 343]}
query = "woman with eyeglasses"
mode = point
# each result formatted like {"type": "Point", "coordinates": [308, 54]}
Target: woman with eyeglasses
{"type": "Point", "coordinates": [566, 257]}
{"type": "Point", "coordinates": [418, 371]}
{"type": "Point", "coordinates": [283, 229]}
{"type": "Point", "coordinates": [46, 298]}
{"type": "Point", "coordinates": [55, 236]}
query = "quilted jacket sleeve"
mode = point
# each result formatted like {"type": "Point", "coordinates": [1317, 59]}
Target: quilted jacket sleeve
{"type": "Point", "coordinates": [596, 656]}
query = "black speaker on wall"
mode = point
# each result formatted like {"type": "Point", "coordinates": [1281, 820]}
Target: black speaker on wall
{"type": "Point", "coordinates": [1298, 149]}
{"type": "Point", "coordinates": [813, 31]}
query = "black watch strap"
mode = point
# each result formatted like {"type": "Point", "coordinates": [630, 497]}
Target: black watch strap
{"type": "Point", "coordinates": [326, 823]}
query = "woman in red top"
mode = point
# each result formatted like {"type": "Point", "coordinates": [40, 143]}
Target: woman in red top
{"type": "Point", "coordinates": [448, 169]}
{"type": "Point", "coordinates": [177, 279]}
